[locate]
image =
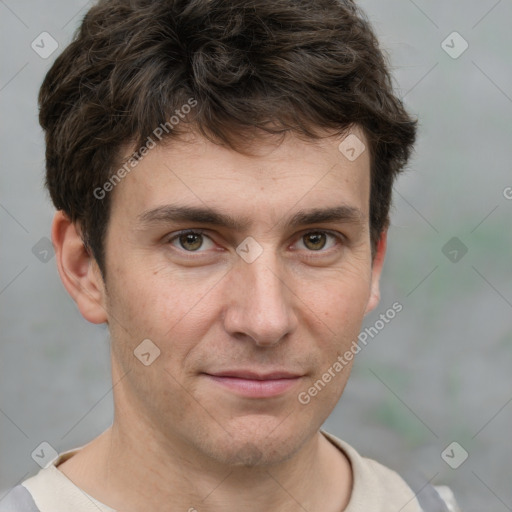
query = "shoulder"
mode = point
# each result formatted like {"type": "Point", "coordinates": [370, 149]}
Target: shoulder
{"type": "Point", "coordinates": [48, 490]}
{"type": "Point", "coordinates": [18, 499]}
{"type": "Point", "coordinates": [374, 482]}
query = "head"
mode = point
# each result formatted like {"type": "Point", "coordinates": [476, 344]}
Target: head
{"type": "Point", "coordinates": [242, 109]}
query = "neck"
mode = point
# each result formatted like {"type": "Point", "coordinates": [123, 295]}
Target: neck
{"type": "Point", "coordinates": [132, 471]}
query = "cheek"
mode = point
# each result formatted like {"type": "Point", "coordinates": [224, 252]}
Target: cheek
{"type": "Point", "coordinates": [144, 295]}
{"type": "Point", "coordinates": [340, 307]}
{"type": "Point", "coordinates": [341, 299]}
{"type": "Point", "coordinates": [166, 307]}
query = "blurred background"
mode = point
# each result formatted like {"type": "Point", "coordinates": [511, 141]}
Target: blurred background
{"type": "Point", "coordinates": [431, 392]}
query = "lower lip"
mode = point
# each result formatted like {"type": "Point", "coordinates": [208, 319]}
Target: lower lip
{"type": "Point", "coordinates": [256, 388]}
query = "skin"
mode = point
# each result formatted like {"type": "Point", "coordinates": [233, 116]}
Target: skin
{"type": "Point", "coordinates": [179, 440]}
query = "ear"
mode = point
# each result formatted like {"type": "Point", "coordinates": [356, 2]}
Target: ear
{"type": "Point", "coordinates": [78, 270]}
{"type": "Point", "coordinates": [378, 262]}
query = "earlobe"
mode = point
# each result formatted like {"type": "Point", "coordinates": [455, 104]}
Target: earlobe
{"type": "Point", "coordinates": [378, 263]}
{"type": "Point", "coordinates": [78, 270]}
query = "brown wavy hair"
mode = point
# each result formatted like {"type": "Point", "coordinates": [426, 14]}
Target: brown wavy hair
{"type": "Point", "coordinates": [253, 67]}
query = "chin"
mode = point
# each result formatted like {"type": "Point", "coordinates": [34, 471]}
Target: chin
{"type": "Point", "coordinates": [255, 447]}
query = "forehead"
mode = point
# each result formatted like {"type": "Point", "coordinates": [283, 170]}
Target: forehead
{"type": "Point", "coordinates": [276, 179]}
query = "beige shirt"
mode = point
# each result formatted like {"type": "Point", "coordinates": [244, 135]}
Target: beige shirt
{"type": "Point", "coordinates": [376, 488]}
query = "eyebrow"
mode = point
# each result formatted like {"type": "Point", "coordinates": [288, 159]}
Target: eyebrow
{"type": "Point", "coordinates": [180, 213]}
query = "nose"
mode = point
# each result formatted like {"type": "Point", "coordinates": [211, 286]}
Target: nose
{"type": "Point", "coordinates": [261, 302]}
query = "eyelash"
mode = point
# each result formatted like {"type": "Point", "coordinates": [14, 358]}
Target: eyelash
{"type": "Point", "coordinates": [340, 240]}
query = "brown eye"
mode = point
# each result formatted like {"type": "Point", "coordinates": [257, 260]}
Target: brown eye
{"type": "Point", "coordinates": [315, 240]}
{"type": "Point", "coordinates": [320, 241]}
{"type": "Point", "coordinates": [191, 241]}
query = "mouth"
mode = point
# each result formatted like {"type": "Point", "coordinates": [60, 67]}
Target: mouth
{"type": "Point", "coordinates": [253, 384]}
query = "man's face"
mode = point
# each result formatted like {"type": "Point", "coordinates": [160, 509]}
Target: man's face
{"type": "Point", "coordinates": [268, 296]}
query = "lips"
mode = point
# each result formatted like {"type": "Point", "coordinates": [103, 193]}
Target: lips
{"type": "Point", "coordinates": [251, 375]}
{"type": "Point", "coordinates": [251, 384]}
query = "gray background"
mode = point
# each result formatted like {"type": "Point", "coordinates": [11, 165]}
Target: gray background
{"type": "Point", "coordinates": [439, 372]}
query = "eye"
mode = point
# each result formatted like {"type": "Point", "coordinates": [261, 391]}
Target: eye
{"type": "Point", "coordinates": [190, 240]}
{"type": "Point", "coordinates": [316, 241]}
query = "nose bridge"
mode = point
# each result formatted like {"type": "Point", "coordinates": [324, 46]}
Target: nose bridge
{"type": "Point", "coordinates": [261, 306]}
